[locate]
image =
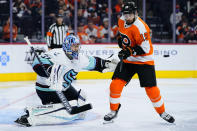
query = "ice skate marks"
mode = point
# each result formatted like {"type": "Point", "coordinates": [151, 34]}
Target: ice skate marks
{"type": "Point", "coordinates": [8, 116]}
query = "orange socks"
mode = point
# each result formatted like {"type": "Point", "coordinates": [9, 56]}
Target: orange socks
{"type": "Point", "coordinates": [115, 93]}
{"type": "Point", "coordinates": [152, 92]}
{"type": "Point", "coordinates": [156, 99]}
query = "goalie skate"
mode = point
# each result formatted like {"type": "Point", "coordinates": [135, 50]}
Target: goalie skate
{"type": "Point", "coordinates": [111, 116]}
{"type": "Point", "coordinates": [23, 120]}
{"type": "Point", "coordinates": [167, 117]}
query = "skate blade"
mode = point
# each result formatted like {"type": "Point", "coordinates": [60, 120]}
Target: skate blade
{"type": "Point", "coordinates": [17, 122]}
{"type": "Point", "coordinates": [108, 122]}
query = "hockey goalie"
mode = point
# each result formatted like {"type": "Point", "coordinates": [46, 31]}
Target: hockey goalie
{"type": "Point", "coordinates": [56, 70]}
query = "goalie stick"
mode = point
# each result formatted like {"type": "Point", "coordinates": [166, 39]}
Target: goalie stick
{"type": "Point", "coordinates": [71, 110]}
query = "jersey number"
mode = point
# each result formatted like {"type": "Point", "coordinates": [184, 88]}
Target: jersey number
{"type": "Point", "coordinates": [144, 36]}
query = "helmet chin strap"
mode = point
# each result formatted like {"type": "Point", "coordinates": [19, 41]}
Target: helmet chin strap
{"type": "Point", "coordinates": [69, 56]}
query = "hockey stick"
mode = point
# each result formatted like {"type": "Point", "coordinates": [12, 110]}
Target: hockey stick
{"type": "Point", "coordinates": [63, 99]}
{"type": "Point", "coordinates": [121, 63]}
{"type": "Point", "coordinates": [110, 56]}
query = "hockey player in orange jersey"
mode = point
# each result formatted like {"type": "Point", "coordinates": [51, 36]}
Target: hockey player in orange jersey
{"type": "Point", "coordinates": [136, 56]}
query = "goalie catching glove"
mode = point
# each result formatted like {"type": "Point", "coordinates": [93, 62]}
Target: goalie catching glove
{"type": "Point", "coordinates": [105, 65]}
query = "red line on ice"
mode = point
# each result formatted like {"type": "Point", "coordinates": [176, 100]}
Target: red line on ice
{"type": "Point", "coordinates": [18, 100]}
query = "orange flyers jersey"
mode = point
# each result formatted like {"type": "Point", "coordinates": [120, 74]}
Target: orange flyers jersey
{"type": "Point", "coordinates": [137, 33]}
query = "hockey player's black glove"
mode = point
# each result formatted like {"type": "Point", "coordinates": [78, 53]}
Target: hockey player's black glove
{"type": "Point", "coordinates": [124, 53]}
{"type": "Point", "coordinates": [137, 50]}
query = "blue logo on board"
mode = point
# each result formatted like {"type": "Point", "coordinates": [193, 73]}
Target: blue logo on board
{"type": "Point", "coordinates": [4, 58]}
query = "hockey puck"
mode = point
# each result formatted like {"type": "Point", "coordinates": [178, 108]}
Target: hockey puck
{"type": "Point", "coordinates": [166, 55]}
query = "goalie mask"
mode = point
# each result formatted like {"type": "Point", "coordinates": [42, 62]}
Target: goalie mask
{"type": "Point", "coordinates": [71, 46]}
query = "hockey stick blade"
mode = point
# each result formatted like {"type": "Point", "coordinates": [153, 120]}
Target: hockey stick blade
{"type": "Point", "coordinates": [76, 110]}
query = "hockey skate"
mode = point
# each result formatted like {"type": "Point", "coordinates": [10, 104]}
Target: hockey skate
{"type": "Point", "coordinates": [167, 117]}
{"type": "Point", "coordinates": [110, 116]}
{"type": "Point", "coordinates": [23, 120]}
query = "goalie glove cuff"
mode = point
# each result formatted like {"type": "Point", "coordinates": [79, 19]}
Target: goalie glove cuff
{"type": "Point", "coordinates": [100, 64]}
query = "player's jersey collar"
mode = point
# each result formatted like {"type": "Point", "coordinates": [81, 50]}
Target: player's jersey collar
{"type": "Point", "coordinates": [125, 25]}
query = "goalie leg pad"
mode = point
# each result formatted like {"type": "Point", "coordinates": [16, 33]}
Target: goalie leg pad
{"type": "Point", "coordinates": [50, 114]}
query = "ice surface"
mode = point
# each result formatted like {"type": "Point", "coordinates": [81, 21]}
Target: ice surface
{"type": "Point", "coordinates": [136, 113]}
